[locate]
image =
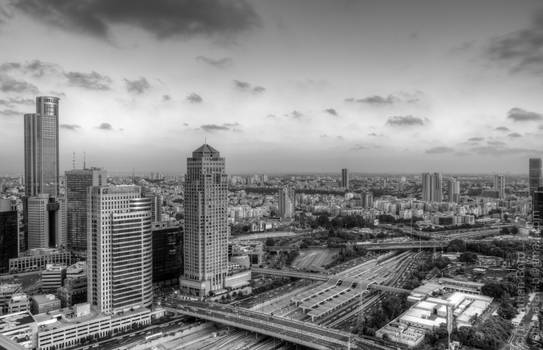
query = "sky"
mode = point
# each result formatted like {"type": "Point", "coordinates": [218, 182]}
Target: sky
{"type": "Point", "coordinates": [278, 86]}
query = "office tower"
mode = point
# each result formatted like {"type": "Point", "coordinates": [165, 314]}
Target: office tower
{"type": "Point", "coordinates": [45, 222]}
{"type": "Point", "coordinates": [78, 182]}
{"type": "Point", "coordinates": [156, 205]}
{"type": "Point", "coordinates": [119, 249]}
{"type": "Point", "coordinates": [432, 190]}
{"type": "Point", "coordinates": [534, 174]}
{"type": "Point", "coordinates": [9, 234]}
{"type": "Point", "coordinates": [499, 185]}
{"type": "Point", "coordinates": [345, 178]}
{"type": "Point", "coordinates": [453, 190]}
{"type": "Point", "coordinates": [167, 253]}
{"type": "Point", "coordinates": [286, 203]}
{"type": "Point", "coordinates": [205, 239]}
{"type": "Point", "coordinates": [537, 205]}
{"type": "Point", "coordinates": [41, 148]}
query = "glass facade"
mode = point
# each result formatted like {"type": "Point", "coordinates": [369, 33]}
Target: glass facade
{"type": "Point", "coordinates": [9, 236]}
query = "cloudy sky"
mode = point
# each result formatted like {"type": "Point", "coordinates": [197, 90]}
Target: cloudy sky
{"type": "Point", "coordinates": [279, 85]}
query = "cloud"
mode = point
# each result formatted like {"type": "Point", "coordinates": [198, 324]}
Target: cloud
{"type": "Point", "coordinates": [105, 126]}
{"type": "Point", "coordinates": [245, 86]}
{"type": "Point", "coordinates": [12, 101]}
{"type": "Point", "coordinates": [90, 81]}
{"type": "Point", "coordinates": [407, 120]}
{"type": "Point", "coordinates": [222, 127]}
{"type": "Point", "coordinates": [224, 62]}
{"type": "Point", "coordinates": [476, 139]}
{"type": "Point", "coordinates": [520, 50]}
{"type": "Point", "coordinates": [521, 115]}
{"type": "Point", "coordinates": [74, 127]}
{"type": "Point", "coordinates": [378, 100]}
{"type": "Point", "coordinates": [502, 128]}
{"type": "Point", "coordinates": [35, 68]}
{"type": "Point", "coordinates": [161, 18]}
{"type": "Point", "coordinates": [514, 135]}
{"type": "Point", "coordinates": [9, 84]}
{"type": "Point", "coordinates": [195, 98]}
{"type": "Point", "coordinates": [294, 115]}
{"type": "Point", "coordinates": [166, 98]}
{"type": "Point", "coordinates": [496, 143]}
{"type": "Point", "coordinates": [331, 111]}
{"type": "Point", "coordinates": [439, 150]}
{"type": "Point", "coordinates": [502, 151]}
{"type": "Point", "coordinates": [362, 147]}
{"type": "Point", "coordinates": [10, 113]}
{"type": "Point", "coordinates": [259, 89]}
{"type": "Point", "coordinates": [138, 86]}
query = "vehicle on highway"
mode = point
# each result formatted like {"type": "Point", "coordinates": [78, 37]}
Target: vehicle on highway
{"type": "Point", "coordinates": [153, 336]}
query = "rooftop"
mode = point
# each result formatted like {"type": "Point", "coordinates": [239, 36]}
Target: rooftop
{"type": "Point", "coordinates": [15, 320]}
{"type": "Point", "coordinates": [205, 151]}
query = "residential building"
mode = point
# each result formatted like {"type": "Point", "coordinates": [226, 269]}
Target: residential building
{"type": "Point", "coordinates": [453, 190]}
{"type": "Point", "coordinates": [432, 187]}
{"type": "Point", "coordinates": [345, 178]}
{"type": "Point", "coordinates": [286, 203]}
{"type": "Point", "coordinates": [205, 238]}
{"type": "Point", "coordinates": [534, 174]}
{"type": "Point", "coordinates": [119, 254]}
{"type": "Point", "coordinates": [499, 185]}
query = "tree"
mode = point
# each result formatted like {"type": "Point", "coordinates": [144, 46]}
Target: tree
{"type": "Point", "coordinates": [270, 242]}
{"type": "Point", "coordinates": [468, 257]}
{"type": "Point", "coordinates": [456, 245]}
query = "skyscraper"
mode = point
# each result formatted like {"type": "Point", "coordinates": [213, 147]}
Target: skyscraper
{"type": "Point", "coordinates": [499, 185]}
{"type": "Point", "coordinates": [119, 249]}
{"type": "Point", "coordinates": [432, 187]}
{"type": "Point", "coordinates": [78, 182]}
{"type": "Point", "coordinates": [345, 178]}
{"type": "Point", "coordinates": [41, 148]}
{"type": "Point", "coordinates": [453, 190]}
{"type": "Point", "coordinates": [205, 239]}
{"type": "Point", "coordinates": [286, 203]}
{"type": "Point", "coordinates": [9, 234]}
{"type": "Point", "coordinates": [534, 174]}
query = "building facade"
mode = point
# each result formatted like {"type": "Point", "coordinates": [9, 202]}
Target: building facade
{"type": "Point", "coordinates": [499, 185]}
{"type": "Point", "coordinates": [345, 178]}
{"type": "Point", "coordinates": [167, 253]}
{"type": "Point", "coordinates": [537, 205]}
{"type": "Point", "coordinates": [453, 190]}
{"type": "Point", "coordinates": [534, 173]}
{"type": "Point", "coordinates": [205, 239]}
{"type": "Point", "coordinates": [9, 234]}
{"type": "Point", "coordinates": [78, 182]}
{"type": "Point", "coordinates": [286, 203]}
{"type": "Point", "coordinates": [119, 254]}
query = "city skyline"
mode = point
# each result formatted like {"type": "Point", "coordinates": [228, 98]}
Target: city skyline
{"type": "Point", "coordinates": [396, 93]}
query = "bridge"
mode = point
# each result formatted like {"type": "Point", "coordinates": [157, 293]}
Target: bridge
{"type": "Point", "coordinates": [333, 278]}
{"type": "Point", "coordinates": [294, 331]}
{"type": "Point", "coordinates": [403, 245]}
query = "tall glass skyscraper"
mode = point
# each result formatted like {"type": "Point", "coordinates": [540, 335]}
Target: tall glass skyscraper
{"type": "Point", "coordinates": [119, 249]}
{"type": "Point", "coordinates": [41, 148]}
{"type": "Point", "coordinates": [78, 182]}
{"type": "Point", "coordinates": [205, 240]}
{"type": "Point", "coordinates": [9, 234]}
{"type": "Point", "coordinates": [534, 173]}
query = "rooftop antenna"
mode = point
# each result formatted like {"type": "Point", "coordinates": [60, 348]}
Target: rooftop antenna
{"type": "Point", "coordinates": [73, 160]}
{"type": "Point", "coordinates": [84, 160]}
{"type": "Point", "coordinates": [205, 140]}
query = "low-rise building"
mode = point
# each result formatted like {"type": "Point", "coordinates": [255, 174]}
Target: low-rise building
{"type": "Point", "coordinates": [7, 290]}
{"type": "Point", "coordinates": [18, 302]}
{"type": "Point", "coordinates": [37, 259]}
{"type": "Point", "coordinates": [44, 303]}
{"type": "Point", "coordinates": [454, 285]}
{"type": "Point", "coordinates": [20, 327]}
{"type": "Point", "coordinates": [52, 277]}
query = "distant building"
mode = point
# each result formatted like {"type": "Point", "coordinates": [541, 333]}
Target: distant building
{"type": "Point", "coordinates": [537, 205]}
{"type": "Point", "coordinates": [37, 259]}
{"type": "Point", "coordinates": [453, 190]}
{"type": "Point", "coordinates": [432, 187]}
{"type": "Point", "coordinates": [74, 290]}
{"type": "Point", "coordinates": [205, 238]}
{"type": "Point", "coordinates": [167, 253]}
{"type": "Point", "coordinates": [345, 178]}
{"type": "Point", "coordinates": [286, 203]}
{"type": "Point", "coordinates": [499, 185]}
{"type": "Point", "coordinates": [78, 182]}
{"type": "Point", "coordinates": [119, 259]}
{"type": "Point", "coordinates": [44, 303]}
{"type": "Point", "coordinates": [9, 234]}
{"type": "Point", "coordinates": [156, 205]}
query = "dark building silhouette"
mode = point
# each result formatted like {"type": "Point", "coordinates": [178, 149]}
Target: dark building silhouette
{"type": "Point", "coordinates": [167, 254]}
{"type": "Point", "coordinates": [9, 234]}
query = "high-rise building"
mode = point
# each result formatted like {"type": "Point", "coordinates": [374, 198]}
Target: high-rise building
{"type": "Point", "coordinates": [453, 190]}
{"type": "Point", "coordinates": [345, 178]}
{"type": "Point", "coordinates": [9, 234]}
{"type": "Point", "coordinates": [286, 203]}
{"type": "Point", "coordinates": [432, 187]}
{"type": "Point", "coordinates": [156, 205]}
{"type": "Point", "coordinates": [41, 148]}
{"type": "Point", "coordinates": [119, 249]}
{"type": "Point", "coordinates": [499, 185]}
{"type": "Point", "coordinates": [537, 205]}
{"type": "Point", "coordinates": [534, 174]}
{"type": "Point", "coordinates": [78, 182]}
{"type": "Point", "coordinates": [205, 238]}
